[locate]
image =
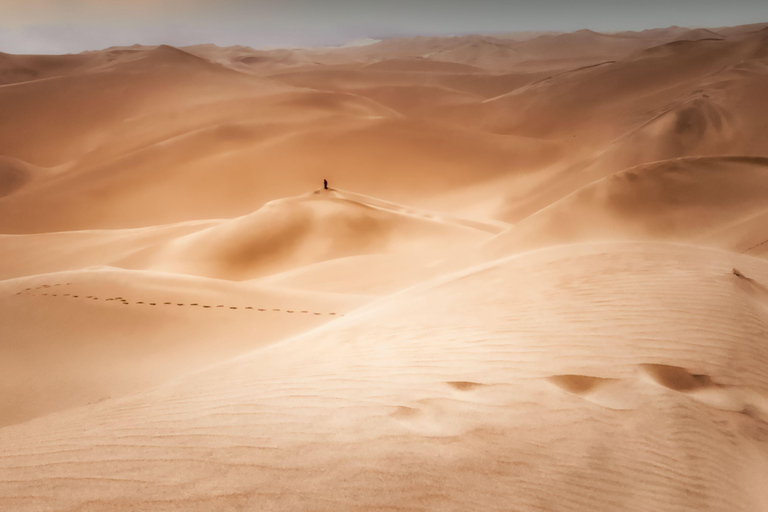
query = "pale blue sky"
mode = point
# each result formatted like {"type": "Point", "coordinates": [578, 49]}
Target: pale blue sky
{"type": "Point", "coordinates": [59, 26]}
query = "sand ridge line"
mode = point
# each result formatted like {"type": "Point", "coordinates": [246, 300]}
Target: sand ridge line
{"type": "Point", "coordinates": [126, 302]}
{"type": "Point", "coordinates": [754, 247]}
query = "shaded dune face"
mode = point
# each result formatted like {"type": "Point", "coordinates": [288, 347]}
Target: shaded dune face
{"type": "Point", "coordinates": [14, 174]}
{"type": "Point", "coordinates": [535, 278]}
{"type": "Point", "coordinates": [295, 232]}
{"type": "Point", "coordinates": [682, 199]}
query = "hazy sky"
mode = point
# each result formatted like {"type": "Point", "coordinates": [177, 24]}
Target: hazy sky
{"type": "Point", "coordinates": [60, 26]}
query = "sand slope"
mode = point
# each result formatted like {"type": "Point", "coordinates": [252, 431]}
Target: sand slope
{"type": "Point", "coordinates": [293, 232]}
{"type": "Point", "coordinates": [78, 108]}
{"type": "Point", "coordinates": [397, 407]}
{"type": "Point", "coordinates": [683, 199]}
{"type": "Point", "coordinates": [196, 129]}
{"type": "Point", "coordinates": [26, 255]}
{"type": "Point", "coordinates": [72, 338]}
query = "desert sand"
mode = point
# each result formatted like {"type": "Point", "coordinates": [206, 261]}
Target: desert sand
{"type": "Point", "coordinates": [538, 279]}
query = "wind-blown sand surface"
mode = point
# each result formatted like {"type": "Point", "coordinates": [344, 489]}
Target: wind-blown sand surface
{"type": "Point", "coordinates": [538, 280]}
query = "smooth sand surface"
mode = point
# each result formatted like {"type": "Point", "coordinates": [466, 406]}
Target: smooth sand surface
{"type": "Point", "coordinates": [537, 280]}
{"type": "Point", "coordinates": [617, 376]}
{"type": "Point", "coordinates": [77, 337]}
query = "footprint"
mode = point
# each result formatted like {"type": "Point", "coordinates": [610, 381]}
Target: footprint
{"type": "Point", "coordinates": [610, 393]}
{"type": "Point", "coordinates": [464, 385]}
{"type": "Point", "coordinates": [697, 386]}
{"type": "Point", "coordinates": [437, 417]}
{"type": "Point", "coordinates": [578, 384]}
{"type": "Point", "coordinates": [676, 378]}
{"type": "Point", "coordinates": [403, 412]}
{"type": "Point", "coordinates": [125, 302]}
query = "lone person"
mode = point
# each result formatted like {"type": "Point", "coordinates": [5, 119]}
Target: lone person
{"type": "Point", "coordinates": [325, 184]}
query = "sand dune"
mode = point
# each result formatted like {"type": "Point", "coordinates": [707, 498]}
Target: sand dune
{"type": "Point", "coordinates": [248, 130]}
{"type": "Point", "coordinates": [537, 280]}
{"type": "Point", "coordinates": [687, 98]}
{"type": "Point", "coordinates": [294, 232]}
{"type": "Point", "coordinates": [747, 236]}
{"type": "Point", "coordinates": [500, 52]}
{"type": "Point", "coordinates": [699, 125]}
{"type": "Point", "coordinates": [248, 60]}
{"type": "Point", "coordinates": [353, 79]}
{"type": "Point", "coordinates": [651, 76]}
{"type": "Point", "coordinates": [26, 255]}
{"type": "Point", "coordinates": [73, 338]}
{"type": "Point", "coordinates": [24, 68]}
{"type": "Point", "coordinates": [244, 171]}
{"type": "Point", "coordinates": [14, 174]}
{"type": "Point", "coordinates": [421, 65]}
{"type": "Point", "coordinates": [281, 235]}
{"type": "Point", "coordinates": [698, 33]}
{"type": "Point", "coordinates": [690, 97]}
{"type": "Point", "coordinates": [154, 81]}
{"type": "Point", "coordinates": [365, 274]}
{"type": "Point", "coordinates": [388, 406]}
{"type": "Point", "coordinates": [683, 200]}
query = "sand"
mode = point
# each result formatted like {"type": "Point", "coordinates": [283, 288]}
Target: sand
{"type": "Point", "coordinates": [537, 280]}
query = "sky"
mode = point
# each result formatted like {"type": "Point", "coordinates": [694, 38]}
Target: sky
{"type": "Point", "coordinates": [68, 26]}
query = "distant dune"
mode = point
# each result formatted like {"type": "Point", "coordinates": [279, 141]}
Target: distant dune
{"type": "Point", "coordinates": [681, 200]}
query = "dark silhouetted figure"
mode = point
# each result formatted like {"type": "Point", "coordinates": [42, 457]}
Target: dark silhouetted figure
{"type": "Point", "coordinates": [325, 184]}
